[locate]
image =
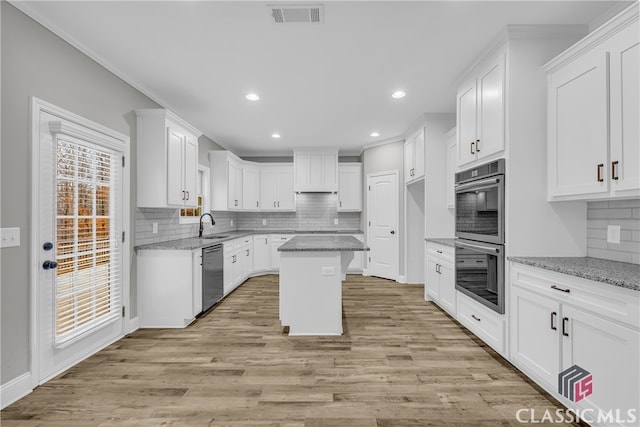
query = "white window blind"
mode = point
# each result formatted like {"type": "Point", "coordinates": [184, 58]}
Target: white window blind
{"type": "Point", "coordinates": [88, 239]}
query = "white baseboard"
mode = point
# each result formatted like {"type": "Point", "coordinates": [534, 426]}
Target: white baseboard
{"type": "Point", "coordinates": [365, 272]}
{"type": "Point", "coordinates": [15, 389]}
{"type": "Point", "coordinates": [402, 279]}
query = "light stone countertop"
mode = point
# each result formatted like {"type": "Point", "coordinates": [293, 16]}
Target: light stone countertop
{"type": "Point", "coordinates": [192, 243]}
{"type": "Point", "coordinates": [622, 274]}
{"type": "Point", "coordinates": [335, 243]}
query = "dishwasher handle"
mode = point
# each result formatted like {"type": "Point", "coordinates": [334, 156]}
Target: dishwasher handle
{"type": "Point", "coordinates": [212, 249]}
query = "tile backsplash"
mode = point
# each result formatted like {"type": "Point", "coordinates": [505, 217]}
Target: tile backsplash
{"type": "Point", "coordinates": [626, 214]}
{"type": "Point", "coordinates": [314, 211]}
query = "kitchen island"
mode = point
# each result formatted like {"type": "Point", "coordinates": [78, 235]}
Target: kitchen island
{"type": "Point", "coordinates": [312, 269]}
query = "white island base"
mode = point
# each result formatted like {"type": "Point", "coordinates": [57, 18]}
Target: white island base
{"type": "Point", "coordinates": [311, 291]}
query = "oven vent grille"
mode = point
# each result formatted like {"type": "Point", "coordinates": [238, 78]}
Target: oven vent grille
{"type": "Point", "coordinates": [286, 14]}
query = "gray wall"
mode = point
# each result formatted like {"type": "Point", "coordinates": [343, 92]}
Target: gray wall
{"type": "Point", "coordinates": [383, 158]}
{"type": "Point", "coordinates": [626, 214]}
{"type": "Point", "coordinates": [37, 63]}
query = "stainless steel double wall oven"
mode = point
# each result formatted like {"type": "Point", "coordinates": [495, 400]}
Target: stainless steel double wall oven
{"type": "Point", "coordinates": [480, 216]}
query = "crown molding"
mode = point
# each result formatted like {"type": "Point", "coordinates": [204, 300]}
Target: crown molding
{"type": "Point", "coordinates": [607, 30]}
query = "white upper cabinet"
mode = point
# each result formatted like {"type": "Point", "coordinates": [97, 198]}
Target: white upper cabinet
{"type": "Point", "coordinates": [167, 160]}
{"type": "Point", "coordinates": [250, 187]}
{"type": "Point", "coordinates": [315, 170]}
{"type": "Point", "coordinates": [593, 98]}
{"type": "Point", "coordinates": [349, 187]}
{"type": "Point", "coordinates": [480, 112]}
{"type": "Point", "coordinates": [414, 157]}
{"type": "Point", "coordinates": [226, 181]}
{"type": "Point", "coordinates": [276, 188]}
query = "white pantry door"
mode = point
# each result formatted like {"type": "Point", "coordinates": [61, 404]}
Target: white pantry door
{"type": "Point", "coordinates": [78, 249]}
{"type": "Point", "coordinates": [382, 212]}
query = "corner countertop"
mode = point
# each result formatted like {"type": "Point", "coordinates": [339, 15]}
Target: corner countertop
{"type": "Point", "coordinates": [622, 274]}
{"type": "Point", "coordinates": [333, 243]}
{"type": "Point", "coordinates": [192, 243]}
{"type": "Point", "coordinates": [451, 242]}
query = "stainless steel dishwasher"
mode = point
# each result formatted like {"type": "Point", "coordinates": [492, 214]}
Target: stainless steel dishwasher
{"type": "Point", "coordinates": [212, 276]}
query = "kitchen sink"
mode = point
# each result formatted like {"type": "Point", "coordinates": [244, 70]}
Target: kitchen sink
{"type": "Point", "coordinates": [214, 237]}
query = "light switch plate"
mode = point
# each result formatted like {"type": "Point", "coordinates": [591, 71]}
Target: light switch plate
{"type": "Point", "coordinates": [335, 221]}
{"type": "Point", "coordinates": [264, 222]}
{"type": "Point", "coordinates": [613, 234]}
{"type": "Point", "coordinates": [9, 237]}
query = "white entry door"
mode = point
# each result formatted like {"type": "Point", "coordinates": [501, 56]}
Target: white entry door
{"type": "Point", "coordinates": [382, 212]}
{"type": "Point", "coordinates": [77, 244]}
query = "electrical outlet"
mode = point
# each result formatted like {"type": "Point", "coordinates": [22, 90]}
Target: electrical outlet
{"type": "Point", "coordinates": [155, 228]}
{"type": "Point", "coordinates": [232, 223]}
{"type": "Point", "coordinates": [328, 271]}
{"type": "Point", "coordinates": [613, 234]}
{"type": "Point", "coordinates": [264, 222]}
{"type": "Point", "coordinates": [10, 237]}
{"type": "Point", "coordinates": [335, 221]}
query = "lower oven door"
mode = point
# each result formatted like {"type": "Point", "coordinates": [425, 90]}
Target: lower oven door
{"type": "Point", "coordinates": [480, 272]}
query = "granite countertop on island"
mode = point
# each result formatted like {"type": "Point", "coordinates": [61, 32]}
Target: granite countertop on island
{"type": "Point", "coordinates": [622, 274]}
{"type": "Point", "coordinates": [335, 243]}
{"type": "Point", "coordinates": [192, 243]}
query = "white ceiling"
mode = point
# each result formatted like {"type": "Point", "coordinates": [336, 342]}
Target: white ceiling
{"type": "Point", "coordinates": [320, 84]}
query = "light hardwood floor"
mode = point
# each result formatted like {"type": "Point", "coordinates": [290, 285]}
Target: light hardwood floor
{"type": "Point", "coordinates": [400, 362]}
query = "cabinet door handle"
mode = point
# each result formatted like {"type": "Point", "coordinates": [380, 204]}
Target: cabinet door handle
{"type": "Point", "coordinates": [477, 145]}
{"type": "Point", "coordinates": [437, 268]}
{"type": "Point", "coordinates": [564, 326]}
{"type": "Point", "coordinates": [183, 194]}
{"type": "Point", "coordinates": [274, 204]}
{"type": "Point", "coordinates": [614, 170]}
{"type": "Point", "coordinates": [472, 144]}
{"type": "Point", "coordinates": [600, 166]}
{"type": "Point", "coordinates": [553, 320]}
{"type": "Point", "coordinates": [247, 252]}
{"type": "Point", "coordinates": [265, 240]}
{"type": "Point", "coordinates": [257, 204]}
{"type": "Point", "coordinates": [476, 318]}
{"type": "Point", "coordinates": [278, 204]}
{"type": "Point", "coordinates": [188, 195]}
{"type": "Point", "coordinates": [341, 203]}
{"type": "Point", "coordinates": [560, 289]}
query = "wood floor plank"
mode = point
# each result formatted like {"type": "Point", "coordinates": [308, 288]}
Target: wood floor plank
{"type": "Point", "coordinates": [401, 362]}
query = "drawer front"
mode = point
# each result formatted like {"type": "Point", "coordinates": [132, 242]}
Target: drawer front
{"type": "Point", "coordinates": [445, 253]}
{"type": "Point", "coordinates": [613, 302]}
{"type": "Point", "coordinates": [483, 322]}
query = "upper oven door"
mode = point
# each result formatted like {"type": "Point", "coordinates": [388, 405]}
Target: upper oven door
{"type": "Point", "coordinates": [480, 210]}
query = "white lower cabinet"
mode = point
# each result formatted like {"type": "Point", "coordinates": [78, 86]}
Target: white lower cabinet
{"type": "Point", "coordinates": [357, 264]}
{"type": "Point", "coordinates": [439, 285]}
{"type": "Point", "coordinates": [261, 253]}
{"type": "Point", "coordinates": [169, 287]}
{"type": "Point", "coordinates": [277, 240]}
{"type": "Point", "coordinates": [238, 262]}
{"type": "Point", "coordinates": [558, 321]}
{"type": "Point", "coordinates": [485, 323]}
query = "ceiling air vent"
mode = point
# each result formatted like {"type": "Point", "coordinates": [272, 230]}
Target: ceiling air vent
{"type": "Point", "coordinates": [290, 13]}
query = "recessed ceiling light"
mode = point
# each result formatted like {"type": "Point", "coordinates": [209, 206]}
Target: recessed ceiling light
{"type": "Point", "coordinates": [374, 134]}
{"type": "Point", "coordinates": [275, 135]}
{"type": "Point", "coordinates": [252, 97]}
{"type": "Point", "coordinates": [398, 94]}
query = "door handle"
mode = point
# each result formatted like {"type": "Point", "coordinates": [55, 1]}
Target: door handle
{"type": "Point", "coordinates": [393, 232]}
{"type": "Point", "coordinates": [49, 265]}
{"type": "Point", "coordinates": [614, 170]}
{"type": "Point", "coordinates": [477, 145]}
{"type": "Point", "coordinates": [564, 326]}
{"type": "Point", "coordinates": [599, 170]}
{"type": "Point", "coordinates": [47, 246]}
{"type": "Point", "coordinates": [553, 320]}
{"type": "Point", "coordinates": [472, 144]}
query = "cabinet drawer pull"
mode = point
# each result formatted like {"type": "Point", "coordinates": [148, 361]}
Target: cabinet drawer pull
{"type": "Point", "coordinates": [600, 178]}
{"type": "Point", "coordinates": [439, 252]}
{"type": "Point", "coordinates": [560, 289]}
{"type": "Point", "coordinates": [614, 170]}
{"type": "Point", "coordinates": [475, 318]}
{"type": "Point", "coordinates": [553, 320]}
{"type": "Point", "coordinates": [472, 144]}
{"type": "Point", "coordinates": [477, 145]}
{"type": "Point", "coordinates": [564, 326]}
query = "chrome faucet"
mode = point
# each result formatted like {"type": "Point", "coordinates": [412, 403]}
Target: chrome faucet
{"type": "Point", "coordinates": [213, 222]}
